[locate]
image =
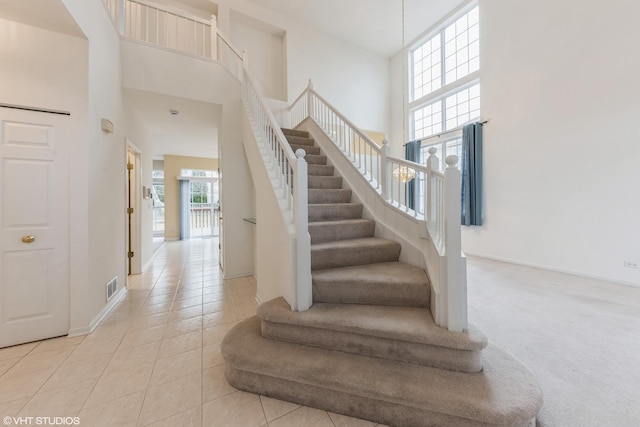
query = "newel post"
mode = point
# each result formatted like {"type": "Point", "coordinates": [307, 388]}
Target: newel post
{"type": "Point", "coordinates": [302, 284]}
{"type": "Point", "coordinates": [456, 287]}
{"type": "Point", "coordinates": [385, 170]}
{"type": "Point", "coordinates": [430, 191]}
{"type": "Point", "coordinates": [214, 38]}
{"type": "Point", "coordinates": [309, 99]}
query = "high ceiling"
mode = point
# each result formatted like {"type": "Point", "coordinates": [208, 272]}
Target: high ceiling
{"type": "Point", "coordinates": [375, 25]}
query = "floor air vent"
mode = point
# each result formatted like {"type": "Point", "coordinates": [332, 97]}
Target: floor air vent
{"type": "Point", "coordinates": [112, 287]}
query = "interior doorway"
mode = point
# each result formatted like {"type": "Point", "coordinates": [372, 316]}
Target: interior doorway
{"type": "Point", "coordinates": [200, 204]}
{"type": "Point", "coordinates": [203, 208]}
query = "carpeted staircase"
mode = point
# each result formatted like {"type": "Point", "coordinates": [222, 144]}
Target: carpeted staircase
{"type": "Point", "coordinates": [368, 347]}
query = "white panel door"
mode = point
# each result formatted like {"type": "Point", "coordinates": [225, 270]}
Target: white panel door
{"type": "Point", "coordinates": [34, 221]}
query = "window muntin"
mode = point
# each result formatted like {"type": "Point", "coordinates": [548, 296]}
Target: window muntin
{"type": "Point", "coordinates": [427, 67]}
{"type": "Point", "coordinates": [427, 120]}
{"type": "Point", "coordinates": [462, 106]}
{"type": "Point", "coordinates": [198, 173]}
{"type": "Point", "coordinates": [462, 47]}
{"type": "Point", "coordinates": [439, 64]}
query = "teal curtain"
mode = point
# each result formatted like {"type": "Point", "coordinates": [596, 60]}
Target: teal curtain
{"type": "Point", "coordinates": [412, 153]}
{"type": "Point", "coordinates": [471, 171]}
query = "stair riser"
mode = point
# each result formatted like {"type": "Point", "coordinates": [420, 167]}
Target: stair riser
{"type": "Point", "coordinates": [299, 140]}
{"type": "Point", "coordinates": [351, 404]}
{"type": "Point", "coordinates": [323, 258]}
{"type": "Point", "coordinates": [319, 196]}
{"type": "Point", "coordinates": [294, 132]}
{"type": "Point", "coordinates": [331, 213]}
{"type": "Point", "coordinates": [332, 232]}
{"type": "Point", "coordinates": [319, 170]}
{"type": "Point", "coordinates": [315, 159]}
{"type": "Point", "coordinates": [324, 182]}
{"type": "Point", "coordinates": [378, 294]}
{"type": "Point", "coordinates": [309, 149]}
{"type": "Point", "coordinates": [401, 351]}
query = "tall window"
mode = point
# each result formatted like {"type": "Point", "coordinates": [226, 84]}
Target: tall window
{"type": "Point", "coordinates": [445, 88]}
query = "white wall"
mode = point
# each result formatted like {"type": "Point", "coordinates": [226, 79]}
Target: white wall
{"type": "Point", "coordinates": [562, 147]}
{"type": "Point", "coordinates": [559, 86]}
{"type": "Point", "coordinates": [273, 233]}
{"type": "Point", "coordinates": [267, 47]}
{"type": "Point", "coordinates": [105, 156]}
{"type": "Point", "coordinates": [352, 79]}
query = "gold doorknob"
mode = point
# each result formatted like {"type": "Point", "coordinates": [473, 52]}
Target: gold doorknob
{"type": "Point", "coordinates": [28, 238]}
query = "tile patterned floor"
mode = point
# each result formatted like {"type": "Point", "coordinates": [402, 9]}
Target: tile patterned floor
{"type": "Point", "coordinates": [155, 359]}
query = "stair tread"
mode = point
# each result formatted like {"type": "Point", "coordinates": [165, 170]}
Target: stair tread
{"type": "Point", "coordinates": [395, 273]}
{"type": "Point", "coordinates": [308, 149]}
{"type": "Point", "coordinates": [320, 170]}
{"type": "Point", "coordinates": [341, 221]}
{"type": "Point", "coordinates": [504, 393]}
{"type": "Point", "coordinates": [394, 323]}
{"type": "Point", "coordinates": [324, 182]}
{"type": "Point", "coordinates": [316, 159]}
{"type": "Point", "coordinates": [387, 283]}
{"type": "Point", "coordinates": [354, 243]}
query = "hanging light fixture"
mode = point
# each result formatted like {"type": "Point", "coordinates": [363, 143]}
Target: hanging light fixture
{"type": "Point", "coordinates": [404, 173]}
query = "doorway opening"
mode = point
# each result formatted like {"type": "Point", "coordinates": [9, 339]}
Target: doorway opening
{"type": "Point", "coordinates": [200, 197]}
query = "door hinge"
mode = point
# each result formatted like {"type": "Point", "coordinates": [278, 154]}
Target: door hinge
{"type": "Point", "coordinates": [129, 166]}
{"type": "Point", "coordinates": [129, 210]}
{"type": "Point", "coordinates": [130, 254]}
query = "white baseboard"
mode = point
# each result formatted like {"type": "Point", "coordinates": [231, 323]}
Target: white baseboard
{"type": "Point", "coordinates": [237, 275]}
{"type": "Point", "coordinates": [150, 261]}
{"type": "Point", "coordinates": [555, 269]}
{"type": "Point", "coordinates": [103, 313]}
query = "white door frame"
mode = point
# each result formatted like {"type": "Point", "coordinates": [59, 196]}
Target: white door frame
{"type": "Point", "coordinates": [136, 194]}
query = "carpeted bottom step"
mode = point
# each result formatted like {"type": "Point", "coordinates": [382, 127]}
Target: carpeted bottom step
{"type": "Point", "coordinates": [343, 253]}
{"type": "Point", "coordinates": [405, 334]}
{"type": "Point", "coordinates": [379, 390]}
{"type": "Point", "coordinates": [389, 283]}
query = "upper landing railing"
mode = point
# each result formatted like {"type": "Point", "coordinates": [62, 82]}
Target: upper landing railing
{"type": "Point", "coordinates": [174, 30]}
{"type": "Point", "coordinates": [421, 192]}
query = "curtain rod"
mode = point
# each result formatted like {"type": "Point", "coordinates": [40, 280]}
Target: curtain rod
{"type": "Point", "coordinates": [438, 135]}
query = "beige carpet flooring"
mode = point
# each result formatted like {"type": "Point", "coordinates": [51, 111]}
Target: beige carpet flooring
{"type": "Point", "coordinates": [580, 337]}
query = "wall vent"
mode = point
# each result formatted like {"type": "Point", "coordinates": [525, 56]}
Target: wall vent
{"type": "Point", "coordinates": [112, 287]}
